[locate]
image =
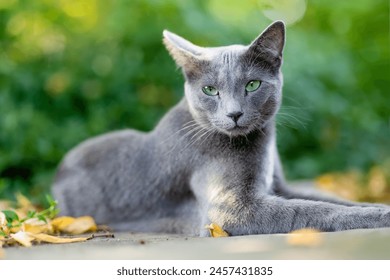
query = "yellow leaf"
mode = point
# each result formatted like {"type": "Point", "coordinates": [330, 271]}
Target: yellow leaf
{"type": "Point", "coordinates": [3, 220]}
{"type": "Point", "coordinates": [304, 237]}
{"type": "Point", "coordinates": [377, 181]}
{"type": "Point", "coordinates": [15, 227]}
{"type": "Point", "coordinates": [74, 225]}
{"type": "Point", "coordinates": [6, 230]}
{"type": "Point", "coordinates": [61, 223]}
{"type": "Point", "coordinates": [326, 181]}
{"type": "Point", "coordinates": [23, 238]}
{"type": "Point", "coordinates": [216, 230]}
{"type": "Point", "coordinates": [346, 185]}
{"type": "Point", "coordinates": [1, 245]}
{"type": "Point", "coordinates": [55, 239]}
{"type": "Point", "coordinates": [34, 225]}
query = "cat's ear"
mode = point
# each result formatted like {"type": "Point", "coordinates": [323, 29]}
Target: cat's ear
{"type": "Point", "coordinates": [185, 53]}
{"type": "Point", "coordinates": [270, 42]}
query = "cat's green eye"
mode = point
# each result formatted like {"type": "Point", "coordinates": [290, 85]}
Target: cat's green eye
{"type": "Point", "coordinates": [252, 85]}
{"type": "Point", "coordinates": [209, 90]}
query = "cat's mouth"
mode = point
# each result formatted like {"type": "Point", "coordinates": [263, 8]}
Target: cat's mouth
{"type": "Point", "coordinates": [233, 129]}
{"type": "Point", "coordinates": [238, 130]}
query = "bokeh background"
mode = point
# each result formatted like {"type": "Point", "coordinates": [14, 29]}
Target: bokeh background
{"type": "Point", "coordinates": [72, 69]}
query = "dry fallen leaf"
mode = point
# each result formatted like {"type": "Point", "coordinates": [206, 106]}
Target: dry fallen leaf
{"type": "Point", "coordinates": [15, 227]}
{"type": "Point", "coordinates": [3, 226]}
{"type": "Point", "coordinates": [34, 225]}
{"type": "Point", "coordinates": [304, 237]}
{"type": "Point", "coordinates": [345, 185]}
{"type": "Point", "coordinates": [26, 224]}
{"type": "Point", "coordinates": [36, 230]}
{"type": "Point", "coordinates": [62, 222]}
{"type": "Point", "coordinates": [3, 220]}
{"type": "Point", "coordinates": [373, 186]}
{"type": "Point", "coordinates": [74, 225]}
{"type": "Point", "coordinates": [22, 237]}
{"type": "Point", "coordinates": [26, 238]}
{"type": "Point", "coordinates": [1, 245]}
{"type": "Point", "coordinates": [377, 181]}
{"type": "Point", "coordinates": [216, 230]}
{"type": "Point", "coordinates": [55, 239]}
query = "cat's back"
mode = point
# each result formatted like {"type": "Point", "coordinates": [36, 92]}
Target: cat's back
{"type": "Point", "coordinates": [101, 149]}
{"type": "Point", "coordinates": [122, 147]}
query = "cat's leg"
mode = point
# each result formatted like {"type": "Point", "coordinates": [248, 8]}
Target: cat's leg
{"type": "Point", "coordinates": [316, 195]}
{"type": "Point", "coordinates": [271, 214]}
{"type": "Point", "coordinates": [242, 209]}
{"type": "Point", "coordinates": [280, 188]}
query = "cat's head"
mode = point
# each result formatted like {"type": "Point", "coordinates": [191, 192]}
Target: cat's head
{"type": "Point", "coordinates": [234, 89]}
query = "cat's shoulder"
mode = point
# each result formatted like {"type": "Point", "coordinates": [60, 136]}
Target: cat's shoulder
{"type": "Point", "coordinates": [95, 148]}
{"type": "Point", "coordinates": [177, 116]}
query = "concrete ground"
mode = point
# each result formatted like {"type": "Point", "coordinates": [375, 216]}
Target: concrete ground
{"type": "Point", "coordinates": [353, 244]}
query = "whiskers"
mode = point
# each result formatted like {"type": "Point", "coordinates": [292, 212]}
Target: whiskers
{"type": "Point", "coordinates": [191, 133]}
{"type": "Point", "coordinates": [291, 116]}
{"type": "Point", "coordinates": [189, 126]}
{"type": "Point", "coordinates": [200, 136]}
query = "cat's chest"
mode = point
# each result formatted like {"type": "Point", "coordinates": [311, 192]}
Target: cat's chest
{"type": "Point", "coordinates": [241, 171]}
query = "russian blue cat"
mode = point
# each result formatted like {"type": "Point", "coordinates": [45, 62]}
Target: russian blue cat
{"type": "Point", "coordinates": [212, 158]}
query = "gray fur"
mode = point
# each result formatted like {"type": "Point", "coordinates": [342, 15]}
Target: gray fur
{"type": "Point", "coordinates": [200, 166]}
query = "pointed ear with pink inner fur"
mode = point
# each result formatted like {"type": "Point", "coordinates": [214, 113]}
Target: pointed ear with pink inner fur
{"type": "Point", "coordinates": [185, 53]}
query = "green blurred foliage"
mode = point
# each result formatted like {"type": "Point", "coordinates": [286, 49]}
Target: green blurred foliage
{"type": "Point", "coordinates": [72, 69]}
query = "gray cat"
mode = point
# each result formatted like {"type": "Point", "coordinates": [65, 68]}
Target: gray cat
{"type": "Point", "coordinates": [212, 158]}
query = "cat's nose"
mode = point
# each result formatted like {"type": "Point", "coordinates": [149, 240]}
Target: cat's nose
{"type": "Point", "coordinates": [234, 115]}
